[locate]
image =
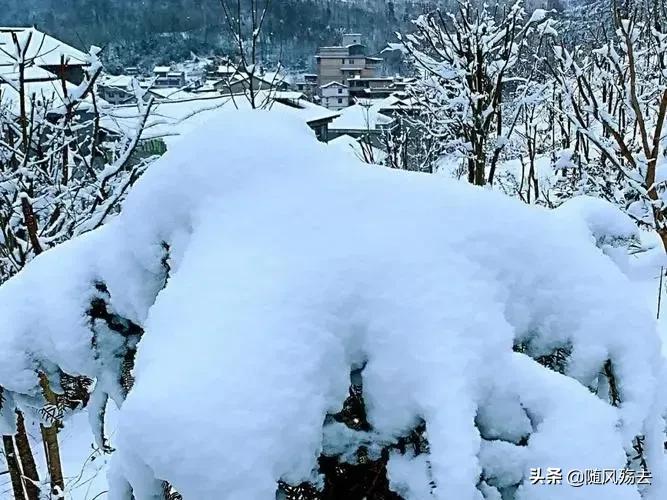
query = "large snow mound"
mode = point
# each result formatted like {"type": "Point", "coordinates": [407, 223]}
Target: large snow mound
{"type": "Point", "coordinates": [262, 266]}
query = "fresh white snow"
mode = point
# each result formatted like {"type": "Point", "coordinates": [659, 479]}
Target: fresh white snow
{"type": "Point", "coordinates": [288, 263]}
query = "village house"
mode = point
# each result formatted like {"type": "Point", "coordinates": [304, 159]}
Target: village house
{"type": "Point", "coordinates": [225, 71]}
{"type": "Point", "coordinates": [219, 67]}
{"type": "Point", "coordinates": [56, 58]}
{"type": "Point", "coordinates": [44, 85]}
{"type": "Point", "coordinates": [316, 117]}
{"type": "Point", "coordinates": [306, 83]}
{"type": "Point", "coordinates": [161, 71]}
{"type": "Point", "coordinates": [53, 72]}
{"type": "Point", "coordinates": [117, 89]}
{"type": "Point", "coordinates": [165, 77]}
{"type": "Point", "coordinates": [346, 61]}
{"type": "Point", "coordinates": [370, 122]}
{"type": "Point", "coordinates": [376, 87]}
{"type": "Point", "coordinates": [239, 83]}
{"type": "Point", "coordinates": [364, 119]}
{"type": "Point", "coordinates": [335, 95]}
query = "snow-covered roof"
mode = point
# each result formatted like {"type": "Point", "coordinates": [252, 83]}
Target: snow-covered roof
{"type": "Point", "coordinates": [161, 69]}
{"type": "Point", "coordinates": [270, 77]}
{"type": "Point", "coordinates": [226, 69]}
{"type": "Point", "coordinates": [47, 91]}
{"type": "Point", "coordinates": [9, 75]}
{"type": "Point", "coordinates": [226, 81]}
{"type": "Point", "coordinates": [273, 76]}
{"type": "Point", "coordinates": [333, 84]}
{"type": "Point", "coordinates": [391, 47]}
{"type": "Point", "coordinates": [397, 102]}
{"type": "Point", "coordinates": [172, 118]}
{"type": "Point", "coordinates": [375, 78]}
{"type": "Point", "coordinates": [172, 93]}
{"type": "Point", "coordinates": [119, 81]}
{"type": "Point", "coordinates": [308, 111]}
{"type": "Point", "coordinates": [288, 94]}
{"type": "Point", "coordinates": [169, 119]}
{"type": "Point", "coordinates": [44, 49]}
{"type": "Point", "coordinates": [361, 117]}
{"type": "Point", "coordinates": [208, 86]}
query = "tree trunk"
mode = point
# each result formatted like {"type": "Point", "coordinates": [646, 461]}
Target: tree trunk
{"type": "Point", "coordinates": [480, 165]}
{"type": "Point", "coordinates": [52, 451]}
{"type": "Point", "coordinates": [663, 237]}
{"type": "Point", "coordinates": [31, 225]}
{"type": "Point", "coordinates": [14, 469]}
{"type": "Point", "coordinates": [50, 439]}
{"type": "Point", "coordinates": [471, 170]}
{"type": "Point", "coordinates": [30, 474]}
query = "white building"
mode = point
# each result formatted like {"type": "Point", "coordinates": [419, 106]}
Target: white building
{"type": "Point", "coordinates": [335, 95]}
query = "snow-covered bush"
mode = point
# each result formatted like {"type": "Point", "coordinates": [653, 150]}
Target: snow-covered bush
{"type": "Point", "coordinates": [467, 61]}
{"type": "Point", "coordinates": [255, 309]}
{"type": "Point", "coordinates": [614, 232]}
{"type": "Point", "coordinates": [61, 174]}
{"type": "Point", "coordinates": [615, 98]}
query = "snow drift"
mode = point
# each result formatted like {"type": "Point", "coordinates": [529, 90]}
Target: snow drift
{"type": "Point", "coordinates": [256, 267]}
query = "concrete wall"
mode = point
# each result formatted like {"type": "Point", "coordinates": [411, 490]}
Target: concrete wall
{"type": "Point", "coordinates": [329, 70]}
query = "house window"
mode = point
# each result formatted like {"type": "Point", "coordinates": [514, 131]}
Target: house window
{"type": "Point", "coordinates": [351, 61]}
{"type": "Point", "coordinates": [340, 91]}
{"type": "Point", "coordinates": [340, 100]}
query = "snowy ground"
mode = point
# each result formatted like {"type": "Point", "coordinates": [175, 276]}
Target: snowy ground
{"type": "Point", "coordinates": [644, 272]}
{"type": "Point", "coordinates": [84, 466]}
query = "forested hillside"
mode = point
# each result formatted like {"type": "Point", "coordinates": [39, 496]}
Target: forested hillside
{"type": "Point", "coordinates": [146, 32]}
